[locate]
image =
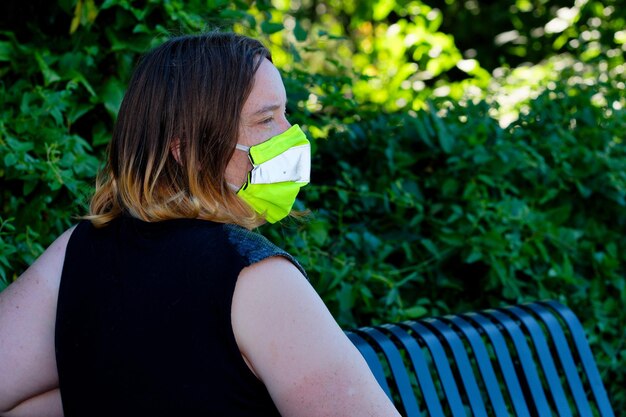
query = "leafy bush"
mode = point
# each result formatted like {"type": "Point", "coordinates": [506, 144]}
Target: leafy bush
{"type": "Point", "coordinates": [413, 213]}
{"type": "Point", "coordinates": [526, 31]}
{"type": "Point", "coordinates": [446, 211]}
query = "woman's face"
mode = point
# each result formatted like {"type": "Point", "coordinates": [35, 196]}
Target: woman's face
{"type": "Point", "coordinates": [262, 117]}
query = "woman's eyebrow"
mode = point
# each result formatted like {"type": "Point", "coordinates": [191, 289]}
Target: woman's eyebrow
{"type": "Point", "coordinates": [268, 108]}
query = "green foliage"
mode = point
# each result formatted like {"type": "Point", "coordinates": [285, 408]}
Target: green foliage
{"type": "Point", "coordinates": [46, 168]}
{"type": "Point", "coordinates": [396, 46]}
{"type": "Point", "coordinates": [520, 31]}
{"type": "Point", "coordinates": [443, 211]}
{"type": "Point", "coordinates": [436, 186]}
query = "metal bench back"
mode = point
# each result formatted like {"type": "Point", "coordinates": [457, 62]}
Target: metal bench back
{"type": "Point", "coordinates": [525, 360]}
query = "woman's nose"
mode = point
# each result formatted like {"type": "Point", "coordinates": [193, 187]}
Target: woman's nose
{"type": "Point", "coordinates": [285, 124]}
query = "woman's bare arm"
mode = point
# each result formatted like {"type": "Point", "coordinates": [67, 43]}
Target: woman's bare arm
{"type": "Point", "coordinates": [47, 404]}
{"type": "Point", "coordinates": [27, 321]}
{"type": "Point", "coordinates": [293, 344]}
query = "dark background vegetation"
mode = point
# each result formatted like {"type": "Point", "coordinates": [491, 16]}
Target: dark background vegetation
{"type": "Point", "coordinates": [466, 154]}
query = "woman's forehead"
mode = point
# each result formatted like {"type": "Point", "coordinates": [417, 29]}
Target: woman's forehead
{"type": "Point", "coordinates": [268, 90]}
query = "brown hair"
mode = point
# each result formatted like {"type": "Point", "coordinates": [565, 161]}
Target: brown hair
{"type": "Point", "coordinates": [188, 94]}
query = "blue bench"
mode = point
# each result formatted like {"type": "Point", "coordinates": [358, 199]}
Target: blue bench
{"type": "Point", "coordinates": [525, 360]}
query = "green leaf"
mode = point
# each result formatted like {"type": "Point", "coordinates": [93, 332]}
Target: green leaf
{"type": "Point", "coordinates": [6, 51]}
{"type": "Point", "coordinates": [216, 4]}
{"type": "Point", "coordinates": [432, 248]}
{"type": "Point", "coordinates": [49, 76]}
{"type": "Point", "coordinates": [299, 32]}
{"type": "Point", "coordinates": [446, 141]}
{"type": "Point", "coordinates": [319, 232]}
{"type": "Point", "coordinates": [19, 146]}
{"type": "Point", "coordinates": [382, 8]}
{"type": "Point", "coordinates": [100, 135]}
{"type": "Point", "coordinates": [345, 298]}
{"type": "Point", "coordinates": [29, 186]}
{"type": "Point", "coordinates": [110, 3]}
{"type": "Point", "coordinates": [415, 312]}
{"type": "Point", "coordinates": [264, 5]}
{"type": "Point", "coordinates": [422, 131]}
{"type": "Point", "coordinates": [112, 95]}
{"type": "Point", "coordinates": [474, 256]}
{"type": "Point", "coordinates": [239, 16]}
{"type": "Point", "coordinates": [269, 27]}
{"type": "Point", "coordinates": [10, 159]}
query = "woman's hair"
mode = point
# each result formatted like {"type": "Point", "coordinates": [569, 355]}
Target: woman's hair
{"type": "Point", "coordinates": [185, 98]}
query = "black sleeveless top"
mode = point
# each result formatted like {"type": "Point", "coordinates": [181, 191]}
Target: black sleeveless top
{"type": "Point", "coordinates": [143, 320]}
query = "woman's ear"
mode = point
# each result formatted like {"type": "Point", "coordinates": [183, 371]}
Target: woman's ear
{"type": "Point", "coordinates": [175, 149]}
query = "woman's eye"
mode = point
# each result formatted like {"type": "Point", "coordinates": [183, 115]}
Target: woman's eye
{"type": "Point", "coordinates": [266, 121]}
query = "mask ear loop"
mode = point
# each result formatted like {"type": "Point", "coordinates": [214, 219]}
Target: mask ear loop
{"type": "Point", "coordinates": [233, 187]}
{"type": "Point", "coordinates": [246, 149]}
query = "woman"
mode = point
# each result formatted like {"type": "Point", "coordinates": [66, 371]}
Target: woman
{"type": "Point", "coordinates": [163, 302]}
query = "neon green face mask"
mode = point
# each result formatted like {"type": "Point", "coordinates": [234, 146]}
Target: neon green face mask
{"type": "Point", "coordinates": [280, 167]}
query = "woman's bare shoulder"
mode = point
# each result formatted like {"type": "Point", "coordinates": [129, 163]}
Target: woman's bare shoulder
{"type": "Point", "coordinates": [293, 344]}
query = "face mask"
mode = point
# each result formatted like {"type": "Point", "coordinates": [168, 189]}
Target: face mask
{"type": "Point", "coordinates": [281, 166]}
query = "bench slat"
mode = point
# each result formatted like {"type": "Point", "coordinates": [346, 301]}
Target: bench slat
{"type": "Point", "coordinates": [565, 357]}
{"type": "Point", "coordinates": [483, 361]}
{"type": "Point", "coordinates": [526, 361]}
{"type": "Point", "coordinates": [505, 362]}
{"type": "Point", "coordinates": [442, 365]}
{"type": "Point", "coordinates": [531, 359]}
{"type": "Point", "coordinates": [586, 357]}
{"type": "Point", "coordinates": [398, 369]}
{"type": "Point", "coordinates": [545, 359]}
{"type": "Point", "coordinates": [420, 367]}
{"type": "Point", "coordinates": [451, 338]}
